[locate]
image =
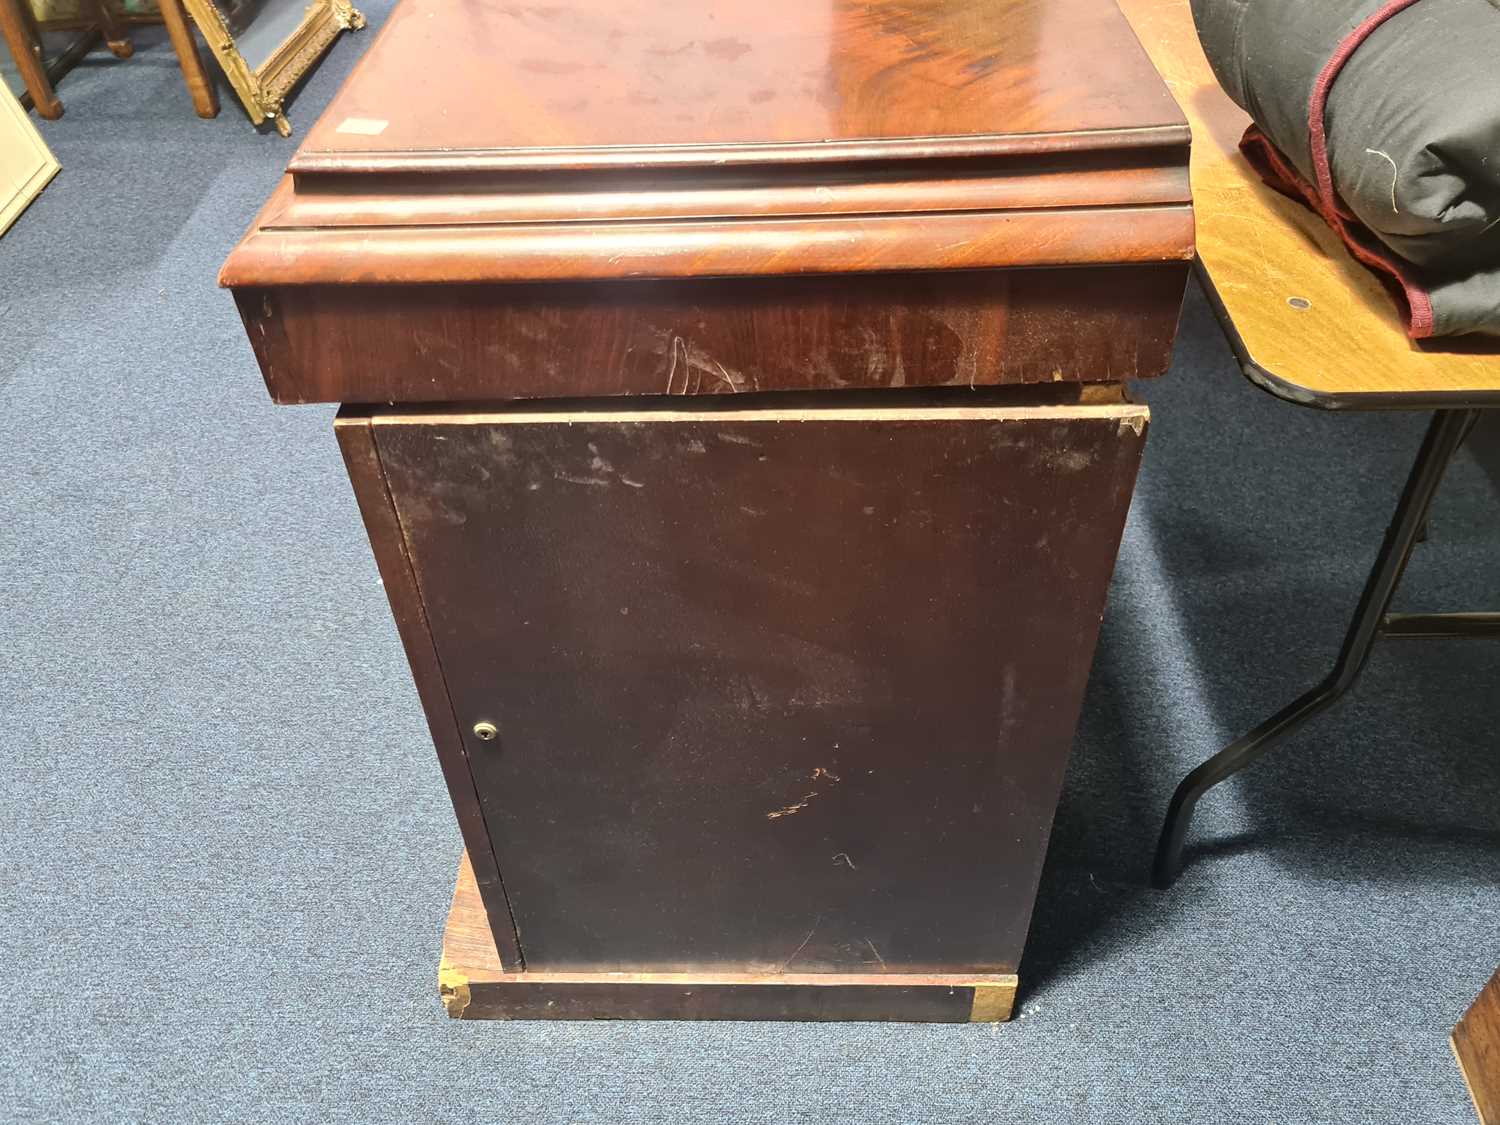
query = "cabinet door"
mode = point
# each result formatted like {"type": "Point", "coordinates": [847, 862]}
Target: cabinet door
{"type": "Point", "coordinates": [773, 689]}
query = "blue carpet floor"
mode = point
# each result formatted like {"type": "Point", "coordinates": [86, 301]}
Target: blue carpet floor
{"type": "Point", "coordinates": [226, 852]}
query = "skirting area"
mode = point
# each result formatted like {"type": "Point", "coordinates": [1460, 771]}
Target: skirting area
{"type": "Point", "coordinates": [475, 986]}
{"type": "Point", "coordinates": [228, 856]}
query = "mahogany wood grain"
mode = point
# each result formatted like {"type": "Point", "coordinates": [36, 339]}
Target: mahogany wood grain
{"type": "Point", "coordinates": [365, 474]}
{"type": "Point", "coordinates": [486, 343]}
{"type": "Point", "coordinates": [1049, 209]}
{"type": "Point", "coordinates": [1141, 178]}
{"type": "Point", "coordinates": [778, 690]}
{"type": "Point", "coordinates": [473, 985]}
{"type": "Point", "coordinates": [677, 139]}
{"type": "Point", "coordinates": [580, 83]}
{"type": "Point", "coordinates": [463, 254]}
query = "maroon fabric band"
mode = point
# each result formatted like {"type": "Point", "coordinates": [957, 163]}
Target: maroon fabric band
{"type": "Point", "coordinates": [1322, 196]}
{"type": "Point", "coordinates": [1317, 105]}
{"type": "Point", "coordinates": [1368, 250]}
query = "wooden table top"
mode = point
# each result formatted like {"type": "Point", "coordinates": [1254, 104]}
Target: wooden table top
{"type": "Point", "coordinates": [584, 83]}
{"type": "Point", "coordinates": [1310, 323]}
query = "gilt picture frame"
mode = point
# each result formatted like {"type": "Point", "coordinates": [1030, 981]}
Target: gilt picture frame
{"type": "Point", "coordinates": [265, 47]}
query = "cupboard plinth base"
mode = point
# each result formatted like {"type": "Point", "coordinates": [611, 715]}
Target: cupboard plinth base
{"type": "Point", "coordinates": [474, 985]}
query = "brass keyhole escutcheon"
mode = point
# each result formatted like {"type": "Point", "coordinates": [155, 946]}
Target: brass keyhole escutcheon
{"type": "Point", "coordinates": [486, 732]}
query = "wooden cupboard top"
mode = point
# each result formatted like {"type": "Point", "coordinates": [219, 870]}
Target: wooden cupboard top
{"type": "Point", "coordinates": [454, 84]}
{"type": "Point", "coordinates": [1310, 323]}
{"type": "Point", "coordinates": [615, 139]}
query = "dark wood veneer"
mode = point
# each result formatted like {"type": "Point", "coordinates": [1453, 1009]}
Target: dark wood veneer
{"type": "Point", "coordinates": [486, 343]}
{"type": "Point", "coordinates": [356, 439]}
{"type": "Point", "coordinates": [761, 675]}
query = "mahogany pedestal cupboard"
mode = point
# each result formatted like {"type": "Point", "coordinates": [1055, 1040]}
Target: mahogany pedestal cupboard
{"type": "Point", "coordinates": [734, 395]}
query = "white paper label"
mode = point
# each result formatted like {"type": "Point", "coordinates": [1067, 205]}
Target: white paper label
{"type": "Point", "coordinates": [362, 126]}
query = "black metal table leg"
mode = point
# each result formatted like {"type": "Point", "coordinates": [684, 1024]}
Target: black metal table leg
{"type": "Point", "coordinates": [1444, 436]}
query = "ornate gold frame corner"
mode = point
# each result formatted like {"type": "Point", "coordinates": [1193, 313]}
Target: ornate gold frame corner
{"type": "Point", "coordinates": [264, 91]}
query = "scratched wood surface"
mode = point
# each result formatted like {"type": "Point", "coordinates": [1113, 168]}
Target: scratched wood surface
{"type": "Point", "coordinates": [379, 344]}
{"type": "Point", "coordinates": [777, 690]}
{"type": "Point", "coordinates": [1476, 1044]}
{"type": "Point", "coordinates": [1318, 325]}
{"type": "Point", "coordinates": [474, 985]}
